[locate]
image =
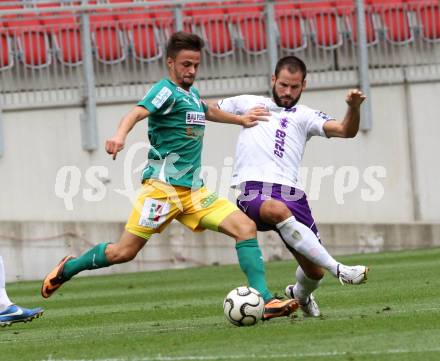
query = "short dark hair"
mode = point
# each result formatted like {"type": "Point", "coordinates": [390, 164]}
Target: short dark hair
{"type": "Point", "coordinates": [292, 64]}
{"type": "Point", "coordinates": [183, 41]}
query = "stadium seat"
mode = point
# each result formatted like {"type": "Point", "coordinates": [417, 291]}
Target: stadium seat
{"type": "Point", "coordinates": [428, 17]}
{"type": "Point", "coordinates": [31, 40]}
{"type": "Point", "coordinates": [11, 4]}
{"type": "Point", "coordinates": [324, 23]}
{"type": "Point", "coordinates": [249, 19]}
{"type": "Point", "coordinates": [211, 22]}
{"type": "Point", "coordinates": [107, 38]}
{"type": "Point", "coordinates": [65, 35]}
{"type": "Point", "coordinates": [53, 4]}
{"type": "Point", "coordinates": [347, 11]}
{"type": "Point", "coordinates": [163, 17]}
{"type": "Point", "coordinates": [291, 27]}
{"type": "Point", "coordinates": [6, 58]}
{"type": "Point", "coordinates": [141, 33]}
{"type": "Point", "coordinates": [46, 4]}
{"type": "Point", "coordinates": [395, 20]}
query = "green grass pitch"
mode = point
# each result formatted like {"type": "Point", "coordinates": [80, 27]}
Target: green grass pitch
{"type": "Point", "coordinates": [177, 315]}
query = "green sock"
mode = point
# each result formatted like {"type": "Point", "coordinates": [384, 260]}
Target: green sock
{"type": "Point", "coordinates": [92, 259]}
{"type": "Point", "coordinates": [252, 264]}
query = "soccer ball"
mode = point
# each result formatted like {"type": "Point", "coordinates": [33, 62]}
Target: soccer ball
{"type": "Point", "coordinates": [243, 306]}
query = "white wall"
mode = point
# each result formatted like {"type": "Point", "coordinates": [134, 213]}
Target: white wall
{"type": "Point", "coordinates": [38, 143]}
{"type": "Point", "coordinates": [425, 116]}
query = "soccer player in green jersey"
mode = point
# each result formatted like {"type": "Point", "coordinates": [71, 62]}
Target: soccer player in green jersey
{"type": "Point", "coordinates": [172, 188]}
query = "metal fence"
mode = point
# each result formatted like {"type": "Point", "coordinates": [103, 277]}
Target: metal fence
{"type": "Point", "coordinates": [64, 52]}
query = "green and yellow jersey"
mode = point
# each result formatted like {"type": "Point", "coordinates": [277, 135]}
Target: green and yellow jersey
{"type": "Point", "coordinates": [176, 126]}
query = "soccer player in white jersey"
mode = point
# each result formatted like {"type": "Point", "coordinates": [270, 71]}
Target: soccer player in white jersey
{"type": "Point", "coordinates": [267, 162]}
{"type": "Point", "coordinates": [9, 312]}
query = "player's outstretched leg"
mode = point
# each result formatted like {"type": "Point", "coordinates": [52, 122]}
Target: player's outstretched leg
{"type": "Point", "coordinates": [102, 255]}
{"type": "Point", "coordinates": [15, 313]}
{"type": "Point", "coordinates": [303, 240]}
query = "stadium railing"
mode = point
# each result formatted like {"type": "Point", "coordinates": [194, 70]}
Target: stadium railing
{"type": "Point", "coordinates": [42, 52]}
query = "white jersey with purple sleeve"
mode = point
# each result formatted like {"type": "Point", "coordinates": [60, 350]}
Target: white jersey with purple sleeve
{"type": "Point", "coordinates": [272, 151]}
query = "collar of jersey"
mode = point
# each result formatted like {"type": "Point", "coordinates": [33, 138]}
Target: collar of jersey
{"type": "Point", "coordinates": [275, 108]}
{"type": "Point", "coordinates": [179, 88]}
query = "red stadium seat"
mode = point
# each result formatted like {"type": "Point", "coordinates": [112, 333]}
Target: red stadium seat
{"type": "Point", "coordinates": [395, 20]}
{"type": "Point", "coordinates": [291, 27]}
{"type": "Point", "coordinates": [6, 58]}
{"type": "Point", "coordinates": [213, 24]}
{"type": "Point", "coordinates": [144, 41]}
{"type": "Point", "coordinates": [323, 19]}
{"type": "Point", "coordinates": [163, 17]}
{"type": "Point", "coordinates": [428, 16]}
{"type": "Point", "coordinates": [141, 32]}
{"type": "Point", "coordinates": [285, 5]}
{"type": "Point", "coordinates": [347, 10]}
{"type": "Point", "coordinates": [120, 1]}
{"type": "Point", "coordinates": [31, 40]}
{"type": "Point", "coordinates": [251, 25]}
{"type": "Point", "coordinates": [66, 38]}
{"type": "Point", "coordinates": [217, 33]}
{"type": "Point", "coordinates": [10, 4]}
{"type": "Point", "coordinates": [47, 4]}
{"type": "Point", "coordinates": [107, 38]}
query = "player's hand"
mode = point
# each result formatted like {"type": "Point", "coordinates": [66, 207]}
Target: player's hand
{"type": "Point", "coordinates": [114, 145]}
{"type": "Point", "coordinates": [355, 98]}
{"type": "Point", "coordinates": [253, 115]}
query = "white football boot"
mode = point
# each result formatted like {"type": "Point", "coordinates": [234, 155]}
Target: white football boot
{"type": "Point", "coordinates": [352, 275]}
{"type": "Point", "coordinates": [310, 308]}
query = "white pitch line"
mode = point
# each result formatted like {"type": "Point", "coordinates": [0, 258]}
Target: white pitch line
{"type": "Point", "coordinates": [102, 332]}
{"type": "Point", "coordinates": [251, 356]}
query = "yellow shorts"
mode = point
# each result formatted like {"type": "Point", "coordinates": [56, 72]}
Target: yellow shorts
{"type": "Point", "coordinates": [159, 203]}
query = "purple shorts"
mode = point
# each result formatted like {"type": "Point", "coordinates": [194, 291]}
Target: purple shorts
{"type": "Point", "coordinates": [253, 194]}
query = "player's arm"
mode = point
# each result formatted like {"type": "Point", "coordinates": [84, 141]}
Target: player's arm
{"type": "Point", "coordinates": [247, 120]}
{"type": "Point", "coordinates": [116, 143]}
{"type": "Point", "coordinates": [349, 126]}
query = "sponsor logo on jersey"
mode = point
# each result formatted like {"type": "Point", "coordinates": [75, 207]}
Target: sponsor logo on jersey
{"type": "Point", "coordinates": [279, 143]}
{"type": "Point", "coordinates": [154, 213]}
{"type": "Point", "coordinates": [323, 115]}
{"type": "Point", "coordinates": [194, 132]}
{"type": "Point", "coordinates": [195, 118]}
{"type": "Point", "coordinates": [207, 201]}
{"type": "Point", "coordinates": [161, 97]}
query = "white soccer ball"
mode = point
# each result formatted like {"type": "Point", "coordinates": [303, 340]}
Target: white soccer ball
{"type": "Point", "coordinates": [243, 306]}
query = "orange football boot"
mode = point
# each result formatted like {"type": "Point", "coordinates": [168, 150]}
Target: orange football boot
{"type": "Point", "coordinates": [278, 308]}
{"type": "Point", "coordinates": [54, 279]}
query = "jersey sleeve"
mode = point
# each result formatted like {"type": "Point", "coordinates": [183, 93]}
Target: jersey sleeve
{"type": "Point", "coordinates": [234, 105]}
{"type": "Point", "coordinates": [315, 123]}
{"type": "Point", "coordinates": [158, 98]}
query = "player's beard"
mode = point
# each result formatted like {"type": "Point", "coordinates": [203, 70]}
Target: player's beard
{"type": "Point", "coordinates": [186, 82]}
{"type": "Point", "coordinates": [284, 102]}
